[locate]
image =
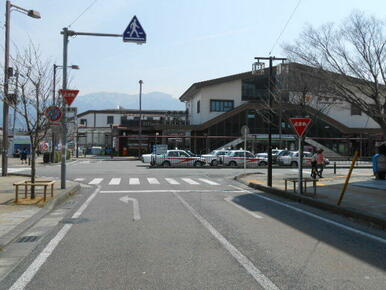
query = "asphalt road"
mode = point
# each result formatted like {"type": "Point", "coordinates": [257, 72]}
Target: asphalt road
{"type": "Point", "coordinates": [141, 228]}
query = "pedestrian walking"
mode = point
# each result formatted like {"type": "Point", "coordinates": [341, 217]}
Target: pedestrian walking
{"type": "Point", "coordinates": [23, 156]}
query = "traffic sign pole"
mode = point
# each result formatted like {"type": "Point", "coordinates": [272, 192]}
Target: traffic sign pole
{"type": "Point", "coordinates": [300, 126]}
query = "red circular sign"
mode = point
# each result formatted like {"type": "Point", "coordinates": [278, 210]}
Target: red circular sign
{"type": "Point", "coordinates": [53, 113]}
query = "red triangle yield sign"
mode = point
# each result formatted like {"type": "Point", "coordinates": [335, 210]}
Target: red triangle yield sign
{"type": "Point", "coordinates": [69, 95]}
{"type": "Point", "coordinates": [300, 125]}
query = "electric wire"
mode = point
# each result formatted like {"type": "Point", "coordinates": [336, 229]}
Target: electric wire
{"type": "Point", "coordinates": [285, 26]}
{"type": "Point", "coordinates": [81, 14]}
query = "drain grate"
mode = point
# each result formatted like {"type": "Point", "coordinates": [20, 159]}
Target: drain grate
{"type": "Point", "coordinates": [74, 220]}
{"type": "Point", "coordinates": [28, 239]}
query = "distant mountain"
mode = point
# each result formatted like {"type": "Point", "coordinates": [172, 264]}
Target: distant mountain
{"type": "Point", "coordinates": [105, 100]}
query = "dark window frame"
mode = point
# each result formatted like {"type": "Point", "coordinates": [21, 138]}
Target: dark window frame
{"type": "Point", "coordinates": [218, 105]}
{"type": "Point", "coordinates": [198, 107]}
{"type": "Point", "coordinates": [110, 120]}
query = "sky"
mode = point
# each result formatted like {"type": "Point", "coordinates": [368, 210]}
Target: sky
{"type": "Point", "coordinates": [187, 41]}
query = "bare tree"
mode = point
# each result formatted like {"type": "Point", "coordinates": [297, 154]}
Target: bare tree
{"type": "Point", "coordinates": [33, 99]}
{"type": "Point", "coordinates": [351, 58]}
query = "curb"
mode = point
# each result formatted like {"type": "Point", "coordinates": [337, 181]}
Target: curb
{"type": "Point", "coordinates": [370, 219]}
{"type": "Point", "coordinates": [24, 226]}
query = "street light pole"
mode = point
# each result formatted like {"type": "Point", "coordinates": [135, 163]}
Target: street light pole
{"type": "Point", "coordinates": [30, 13]}
{"type": "Point", "coordinates": [4, 160]}
{"type": "Point", "coordinates": [140, 118]}
{"type": "Point", "coordinates": [64, 125]}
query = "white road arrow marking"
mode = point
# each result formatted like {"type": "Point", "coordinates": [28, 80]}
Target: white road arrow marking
{"type": "Point", "coordinates": [136, 215]}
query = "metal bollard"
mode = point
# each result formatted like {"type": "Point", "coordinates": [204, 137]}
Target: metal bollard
{"type": "Point", "coordinates": [335, 167]}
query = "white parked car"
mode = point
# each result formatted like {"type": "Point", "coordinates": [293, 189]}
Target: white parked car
{"type": "Point", "coordinates": [214, 157]}
{"type": "Point", "coordinates": [292, 159]}
{"type": "Point", "coordinates": [237, 157]}
{"type": "Point", "coordinates": [178, 158]}
{"type": "Point", "coordinates": [146, 158]}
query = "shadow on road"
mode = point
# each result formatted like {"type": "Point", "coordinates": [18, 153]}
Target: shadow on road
{"type": "Point", "coordinates": [361, 247]}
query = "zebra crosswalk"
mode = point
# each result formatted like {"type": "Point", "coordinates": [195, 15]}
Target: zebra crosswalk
{"type": "Point", "coordinates": [135, 181]}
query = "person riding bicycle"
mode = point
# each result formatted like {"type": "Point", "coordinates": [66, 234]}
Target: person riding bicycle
{"type": "Point", "coordinates": [320, 161]}
{"type": "Point", "coordinates": [314, 168]}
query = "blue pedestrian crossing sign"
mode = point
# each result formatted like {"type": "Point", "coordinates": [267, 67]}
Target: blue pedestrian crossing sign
{"type": "Point", "coordinates": [134, 32]}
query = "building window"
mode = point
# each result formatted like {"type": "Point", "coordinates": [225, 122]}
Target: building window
{"type": "Point", "coordinates": [110, 120]}
{"type": "Point", "coordinates": [355, 111]}
{"type": "Point", "coordinates": [83, 122]}
{"type": "Point", "coordinates": [198, 107]}
{"type": "Point", "coordinates": [221, 105]}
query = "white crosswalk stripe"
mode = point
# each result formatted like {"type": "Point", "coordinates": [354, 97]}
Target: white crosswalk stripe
{"type": "Point", "coordinates": [208, 181]}
{"type": "Point", "coordinates": [152, 180]}
{"type": "Point", "coordinates": [171, 181]}
{"type": "Point", "coordinates": [134, 181]}
{"type": "Point", "coordinates": [96, 181]}
{"type": "Point", "coordinates": [190, 181]}
{"type": "Point", "coordinates": [115, 181]}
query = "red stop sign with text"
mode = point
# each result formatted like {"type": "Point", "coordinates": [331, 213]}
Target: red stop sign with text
{"type": "Point", "coordinates": [300, 125]}
{"type": "Point", "coordinates": [69, 95]}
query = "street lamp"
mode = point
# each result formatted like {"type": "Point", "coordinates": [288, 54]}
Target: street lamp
{"type": "Point", "coordinates": [30, 13]}
{"type": "Point", "coordinates": [74, 66]}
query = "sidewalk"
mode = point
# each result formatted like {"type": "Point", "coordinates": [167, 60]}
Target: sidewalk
{"type": "Point", "coordinates": [365, 197]}
{"type": "Point", "coordinates": [16, 218]}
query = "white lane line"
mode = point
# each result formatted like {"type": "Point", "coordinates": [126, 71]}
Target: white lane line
{"type": "Point", "coordinates": [96, 181]}
{"type": "Point", "coordinates": [171, 181]}
{"type": "Point", "coordinates": [79, 179]}
{"type": "Point", "coordinates": [238, 188]}
{"type": "Point", "coordinates": [136, 215]}
{"type": "Point", "coordinates": [31, 271]}
{"type": "Point", "coordinates": [304, 171]}
{"type": "Point", "coordinates": [231, 201]}
{"type": "Point", "coordinates": [265, 282]}
{"type": "Point", "coordinates": [190, 181]}
{"type": "Point", "coordinates": [152, 180]}
{"type": "Point", "coordinates": [115, 181]}
{"type": "Point", "coordinates": [371, 236]}
{"type": "Point", "coordinates": [208, 181]}
{"type": "Point", "coordinates": [169, 190]}
{"type": "Point", "coordinates": [134, 181]}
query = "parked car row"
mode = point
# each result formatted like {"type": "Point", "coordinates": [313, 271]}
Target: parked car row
{"type": "Point", "coordinates": [231, 158]}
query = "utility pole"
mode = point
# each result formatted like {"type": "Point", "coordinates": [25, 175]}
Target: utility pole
{"type": "Point", "coordinates": [270, 97]}
{"type": "Point", "coordinates": [140, 118]}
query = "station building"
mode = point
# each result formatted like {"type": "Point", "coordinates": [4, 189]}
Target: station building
{"type": "Point", "coordinates": [218, 108]}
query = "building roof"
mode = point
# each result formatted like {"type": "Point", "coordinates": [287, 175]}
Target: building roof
{"type": "Point", "coordinates": [130, 111]}
{"type": "Point", "coordinates": [192, 90]}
